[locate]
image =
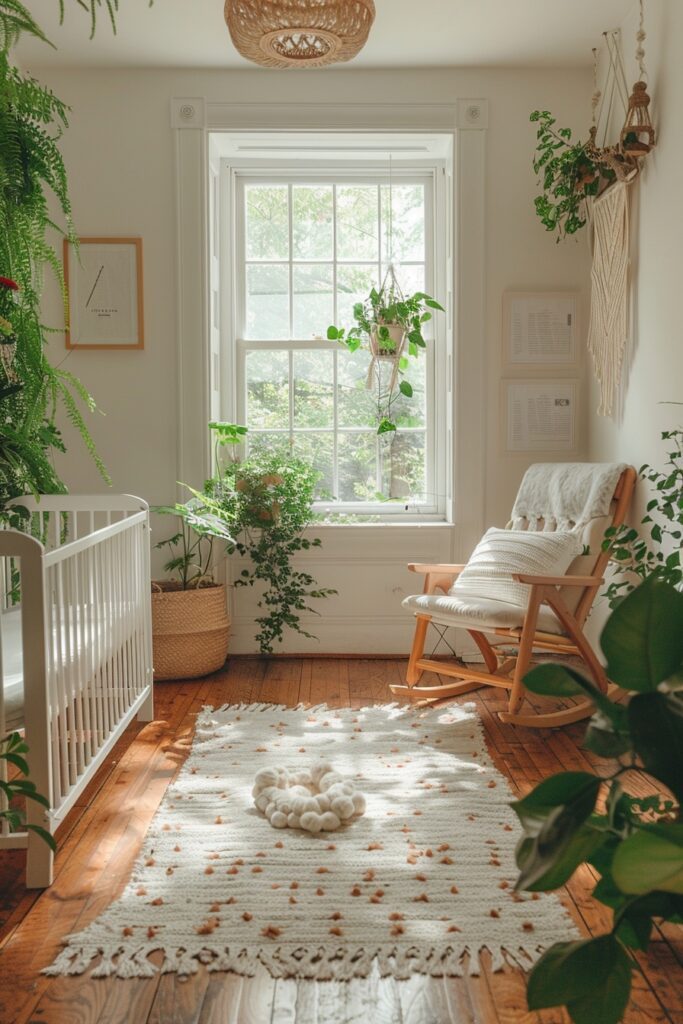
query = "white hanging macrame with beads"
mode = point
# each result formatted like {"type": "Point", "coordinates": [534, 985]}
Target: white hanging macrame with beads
{"type": "Point", "coordinates": [609, 216]}
{"type": "Point", "coordinates": [610, 292]}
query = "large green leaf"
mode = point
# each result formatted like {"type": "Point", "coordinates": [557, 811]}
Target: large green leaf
{"type": "Point", "coordinates": [656, 725]}
{"type": "Point", "coordinates": [578, 789]}
{"type": "Point", "coordinates": [607, 1002]}
{"type": "Point", "coordinates": [592, 976]}
{"type": "Point", "coordinates": [643, 638]}
{"type": "Point", "coordinates": [633, 923]}
{"type": "Point", "coordinates": [651, 858]}
{"type": "Point", "coordinates": [553, 680]}
{"type": "Point", "coordinates": [608, 737]}
{"type": "Point", "coordinates": [556, 839]}
{"type": "Point", "coordinates": [548, 862]}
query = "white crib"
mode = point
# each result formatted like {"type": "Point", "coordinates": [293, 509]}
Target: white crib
{"type": "Point", "coordinates": [76, 653]}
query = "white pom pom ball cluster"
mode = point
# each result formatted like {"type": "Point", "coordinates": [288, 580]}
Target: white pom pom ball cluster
{"type": "Point", "coordinates": [319, 800]}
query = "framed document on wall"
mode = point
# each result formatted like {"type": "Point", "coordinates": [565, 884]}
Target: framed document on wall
{"type": "Point", "coordinates": [104, 283]}
{"type": "Point", "coordinates": [540, 330]}
{"type": "Point", "coordinates": [540, 415]}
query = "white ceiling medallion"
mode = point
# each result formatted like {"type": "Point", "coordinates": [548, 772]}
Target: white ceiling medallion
{"type": "Point", "coordinates": [299, 33]}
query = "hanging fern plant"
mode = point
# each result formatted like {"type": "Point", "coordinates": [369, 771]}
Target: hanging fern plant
{"type": "Point", "coordinates": [32, 174]}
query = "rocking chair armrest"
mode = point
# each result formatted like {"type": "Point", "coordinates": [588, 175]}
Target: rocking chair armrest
{"type": "Point", "coordinates": [558, 581]}
{"type": "Point", "coordinates": [426, 567]}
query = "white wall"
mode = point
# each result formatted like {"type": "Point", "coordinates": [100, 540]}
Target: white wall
{"type": "Point", "coordinates": [653, 366]}
{"type": "Point", "coordinates": [120, 158]}
{"type": "Point", "coordinates": [653, 369]}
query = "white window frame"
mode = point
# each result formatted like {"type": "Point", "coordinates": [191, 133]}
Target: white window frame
{"type": "Point", "coordinates": [234, 176]}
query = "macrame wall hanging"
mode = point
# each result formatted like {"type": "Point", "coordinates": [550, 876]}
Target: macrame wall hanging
{"type": "Point", "coordinates": [609, 212]}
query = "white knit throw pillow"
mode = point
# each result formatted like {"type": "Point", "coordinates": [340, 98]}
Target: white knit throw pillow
{"type": "Point", "coordinates": [500, 553]}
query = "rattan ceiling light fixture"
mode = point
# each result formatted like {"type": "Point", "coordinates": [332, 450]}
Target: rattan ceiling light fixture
{"type": "Point", "coordinates": [299, 33]}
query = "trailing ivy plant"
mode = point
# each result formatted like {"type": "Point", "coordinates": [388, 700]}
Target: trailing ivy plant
{"type": "Point", "coordinates": [382, 310]}
{"type": "Point", "coordinates": [634, 843]}
{"type": "Point", "coordinates": [12, 752]}
{"type": "Point", "coordinates": [260, 508]}
{"type": "Point", "coordinates": [568, 174]}
{"type": "Point", "coordinates": [638, 557]}
{"type": "Point", "coordinates": [268, 501]}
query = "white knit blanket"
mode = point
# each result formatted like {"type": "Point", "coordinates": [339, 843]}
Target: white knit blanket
{"type": "Point", "coordinates": [421, 884]}
{"type": "Point", "coordinates": [567, 494]}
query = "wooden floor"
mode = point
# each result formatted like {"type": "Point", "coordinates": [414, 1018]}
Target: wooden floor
{"type": "Point", "coordinates": [102, 835]}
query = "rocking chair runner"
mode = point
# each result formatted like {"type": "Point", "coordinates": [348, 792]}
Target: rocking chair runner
{"type": "Point", "coordinates": [558, 606]}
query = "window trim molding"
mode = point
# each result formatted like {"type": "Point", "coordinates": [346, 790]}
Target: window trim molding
{"type": "Point", "coordinates": [236, 176]}
{"type": "Point", "coordinates": [192, 119]}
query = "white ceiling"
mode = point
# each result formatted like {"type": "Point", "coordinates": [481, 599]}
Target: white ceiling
{"type": "Point", "coordinates": [437, 33]}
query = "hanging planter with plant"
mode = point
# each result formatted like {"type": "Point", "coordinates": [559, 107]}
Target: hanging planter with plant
{"type": "Point", "coordinates": [388, 324]}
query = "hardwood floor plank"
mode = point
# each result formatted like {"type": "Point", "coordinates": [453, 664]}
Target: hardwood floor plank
{"type": "Point", "coordinates": [179, 1001]}
{"type": "Point", "coordinates": [222, 1000]}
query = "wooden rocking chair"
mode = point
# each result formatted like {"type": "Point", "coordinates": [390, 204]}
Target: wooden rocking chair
{"type": "Point", "coordinates": [553, 620]}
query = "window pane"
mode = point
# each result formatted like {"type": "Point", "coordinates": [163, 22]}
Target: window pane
{"type": "Point", "coordinates": [259, 441]}
{"type": "Point", "coordinates": [356, 403]}
{"type": "Point", "coordinates": [403, 223]}
{"type": "Point", "coordinates": [267, 389]}
{"type": "Point", "coordinates": [267, 222]}
{"type": "Point", "coordinates": [403, 467]}
{"type": "Point", "coordinates": [267, 302]}
{"type": "Point", "coordinates": [354, 282]}
{"type": "Point", "coordinates": [357, 467]}
{"type": "Point", "coordinates": [313, 389]}
{"type": "Point", "coordinates": [410, 277]}
{"type": "Point", "coordinates": [318, 450]}
{"type": "Point", "coordinates": [313, 309]}
{"type": "Point", "coordinates": [357, 227]}
{"type": "Point", "coordinates": [410, 412]}
{"type": "Point", "coordinates": [312, 230]}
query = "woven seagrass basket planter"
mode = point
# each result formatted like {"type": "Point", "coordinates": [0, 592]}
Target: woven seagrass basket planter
{"type": "Point", "coordinates": [190, 630]}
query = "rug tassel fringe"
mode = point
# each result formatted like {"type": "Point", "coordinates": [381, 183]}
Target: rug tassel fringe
{"type": "Point", "coordinates": [315, 964]}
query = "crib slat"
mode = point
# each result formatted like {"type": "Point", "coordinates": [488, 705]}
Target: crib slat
{"type": "Point", "coordinates": [89, 610]}
{"type": "Point", "coordinates": [104, 589]}
{"type": "Point", "coordinates": [76, 670]}
{"type": "Point", "coordinates": [51, 668]}
{"type": "Point", "coordinates": [61, 643]}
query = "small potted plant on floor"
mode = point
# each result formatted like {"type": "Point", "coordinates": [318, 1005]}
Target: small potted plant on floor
{"type": "Point", "coordinates": [190, 623]}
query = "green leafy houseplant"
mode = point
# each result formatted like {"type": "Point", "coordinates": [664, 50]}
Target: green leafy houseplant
{"type": "Point", "coordinates": [31, 172]}
{"type": "Point", "coordinates": [260, 508]}
{"type": "Point", "coordinates": [385, 322]}
{"type": "Point", "coordinates": [16, 19]}
{"type": "Point", "coordinates": [638, 558]}
{"type": "Point", "coordinates": [192, 547]}
{"type": "Point", "coordinates": [634, 843]}
{"type": "Point", "coordinates": [568, 174]}
{"type": "Point", "coordinates": [12, 751]}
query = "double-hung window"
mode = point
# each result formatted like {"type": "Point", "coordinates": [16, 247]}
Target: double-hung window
{"type": "Point", "coordinates": [306, 247]}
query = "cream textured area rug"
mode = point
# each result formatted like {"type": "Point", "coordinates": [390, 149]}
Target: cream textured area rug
{"type": "Point", "coordinates": [420, 884]}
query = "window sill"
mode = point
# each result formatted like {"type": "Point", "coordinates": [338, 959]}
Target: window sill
{"type": "Point", "coordinates": [425, 524]}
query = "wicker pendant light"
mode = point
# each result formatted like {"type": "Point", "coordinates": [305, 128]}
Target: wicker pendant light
{"type": "Point", "coordinates": [299, 33]}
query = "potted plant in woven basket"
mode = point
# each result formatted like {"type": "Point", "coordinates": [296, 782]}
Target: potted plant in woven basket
{"type": "Point", "coordinates": [190, 622]}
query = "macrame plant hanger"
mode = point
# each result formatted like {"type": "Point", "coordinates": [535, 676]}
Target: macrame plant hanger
{"type": "Point", "coordinates": [609, 215]}
{"type": "Point", "coordinates": [381, 352]}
